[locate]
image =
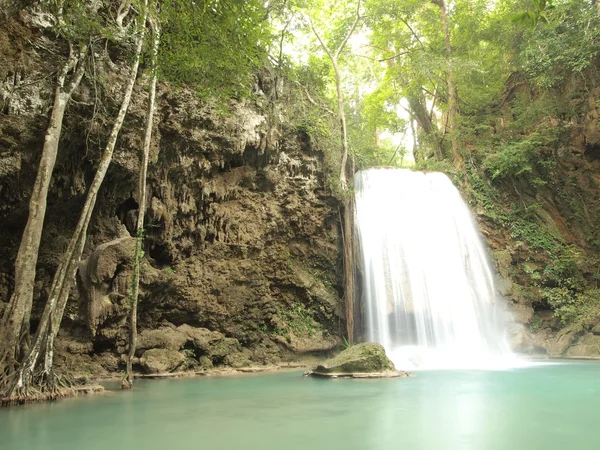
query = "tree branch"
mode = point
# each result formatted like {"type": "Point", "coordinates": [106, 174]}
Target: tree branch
{"type": "Point", "coordinates": [80, 70]}
{"type": "Point", "coordinates": [416, 36]}
{"type": "Point", "coordinates": [350, 32]}
{"type": "Point", "coordinates": [311, 100]}
{"type": "Point", "coordinates": [321, 41]}
{"type": "Point", "coordinates": [394, 57]}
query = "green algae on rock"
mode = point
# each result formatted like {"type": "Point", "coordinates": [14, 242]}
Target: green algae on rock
{"type": "Point", "coordinates": [366, 360]}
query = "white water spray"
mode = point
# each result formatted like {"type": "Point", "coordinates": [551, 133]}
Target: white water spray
{"type": "Point", "coordinates": [428, 286]}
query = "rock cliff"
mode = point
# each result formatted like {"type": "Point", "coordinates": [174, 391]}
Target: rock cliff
{"type": "Point", "coordinates": [241, 245]}
{"type": "Point", "coordinates": [543, 225]}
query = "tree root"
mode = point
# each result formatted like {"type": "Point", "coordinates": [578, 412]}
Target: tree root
{"type": "Point", "coordinates": [37, 396]}
{"type": "Point", "coordinates": [43, 388]}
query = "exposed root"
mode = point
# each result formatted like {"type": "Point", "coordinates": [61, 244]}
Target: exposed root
{"type": "Point", "coordinates": [32, 395]}
{"type": "Point", "coordinates": [126, 383]}
{"type": "Point", "coordinates": [42, 388]}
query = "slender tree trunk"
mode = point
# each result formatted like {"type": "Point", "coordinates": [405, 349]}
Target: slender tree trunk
{"type": "Point", "coordinates": [347, 203]}
{"type": "Point", "coordinates": [343, 126]}
{"type": "Point", "coordinates": [138, 254]}
{"type": "Point", "coordinates": [452, 97]}
{"type": "Point", "coordinates": [14, 324]}
{"type": "Point", "coordinates": [24, 385]}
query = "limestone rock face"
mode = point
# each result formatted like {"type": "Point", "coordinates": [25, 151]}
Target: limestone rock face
{"type": "Point", "coordinates": [103, 279]}
{"type": "Point", "coordinates": [203, 346]}
{"type": "Point", "coordinates": [159, 360]}
{"type": "Point", "coordinates": [169, 338]}
{"type": "Point", "coordinates": [362, 359]}
{"type": "Point", "coordinates": [586, 347]}
{"type": "Point", "coordinates": [241, 240]}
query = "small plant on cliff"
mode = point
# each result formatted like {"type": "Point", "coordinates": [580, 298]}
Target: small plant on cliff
{"type": "Point", "coordinates": [523, 158]}
{"type": "Point", "coordinates": [536, 323]}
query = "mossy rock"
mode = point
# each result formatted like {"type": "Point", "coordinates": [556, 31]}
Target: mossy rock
{"type": "Point", "coordinates": [160, 360]}
{"type": "Point", "coordinates": [367, 360]}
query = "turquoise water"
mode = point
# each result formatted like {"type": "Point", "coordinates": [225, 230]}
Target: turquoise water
{"type": "Point", "coordinates": [543, 407]}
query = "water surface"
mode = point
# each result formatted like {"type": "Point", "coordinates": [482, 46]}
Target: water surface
{"type": "Point", "coordinates": [547, 407]}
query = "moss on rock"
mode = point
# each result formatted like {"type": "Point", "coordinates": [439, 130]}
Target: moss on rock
{"type": "Point", "coordinates": [366, 358]}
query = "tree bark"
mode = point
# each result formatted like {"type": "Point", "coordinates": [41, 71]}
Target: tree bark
{"type": "Point", "coordinates": [15, 320]}
{"type": "Point", "coordinates": [138, 254]}
{"type": "Point", "coordinates": [349, 285]}
{"type": "Point", "coordinates": [43, 345]}
{"type": "Point", "coordinates": [416, 103]}
{"type": "Point", "coordinates": [343, 126]}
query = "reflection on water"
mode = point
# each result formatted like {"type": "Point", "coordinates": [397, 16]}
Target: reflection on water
{"type": "Point", "coordinates": [546, 407]}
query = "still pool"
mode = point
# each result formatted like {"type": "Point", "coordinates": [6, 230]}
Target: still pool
{"type": "Point", "coordinates": [545, 407]}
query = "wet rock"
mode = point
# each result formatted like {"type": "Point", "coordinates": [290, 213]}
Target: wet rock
{"type": "Point", "coordinates": [521, 313]}
{"type": "Point", "coordinates": [108, 361]}
{"type": "Point", "coordinates": [361, 360]}
{"type": "Point", "coordinates": [559, 344]}
{"type": "Point", "coordinates": [588, 346]}
{"type": "Point", "coordinates": [158, 360]}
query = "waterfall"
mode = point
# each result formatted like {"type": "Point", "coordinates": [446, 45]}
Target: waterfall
{"type": "Point", "coordinates": [428, 288]}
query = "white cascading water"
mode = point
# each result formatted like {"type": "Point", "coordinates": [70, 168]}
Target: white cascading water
{"type": "Point", "coordinates": [428, 285]}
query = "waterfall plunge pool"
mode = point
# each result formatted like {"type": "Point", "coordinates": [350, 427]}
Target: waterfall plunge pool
{"type": "Point", "coordinates": [548, 406]}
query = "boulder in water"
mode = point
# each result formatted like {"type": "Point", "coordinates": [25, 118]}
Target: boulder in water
{"type": "Point", "coordinates": [367, 360]}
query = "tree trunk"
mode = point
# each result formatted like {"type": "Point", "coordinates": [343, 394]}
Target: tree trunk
{"type": "Point", "coordinates": [24, 384]}
{"type": "Point", "coordinates": [138, 255]}
{"type": "Point", "coordinates": [416, 103]}
{"type": "Point", "coordinates": [452, 98]}
{"type": "Point", "coordinates": [347, 203]}
{"type": "Point", "coordinates": [15, 320]}
{"type": "Point", "coordinates": [343, 127]}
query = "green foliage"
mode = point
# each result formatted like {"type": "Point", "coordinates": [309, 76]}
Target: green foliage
{"type": "Point", "coordinates": [213, 45]}
{"type": "Point", "coordinates": [565, 46]}
{"type": "Point", "coordinates": [515, 159]}
{"type": "Point", "coordinates": [527, 229]}
{"type": "Point", "coordinates": [580, 308]}
{"type": "Point", "coordinates": [88, 22]}
{"type": "Point", "coordinates": [535, 324]}
{"type": "Point", "coordinates": [297, 319]}
{"type": "Point", "coordinates": [539, 14]}
{"type": "Point", "coordinates": [346, 344]}
{"type": "Point", "coordinates": [300, 321]}
{"type": "Point", "coordinates": [521, 158]}
{"type": "Point", "coordinates": [434, 165]}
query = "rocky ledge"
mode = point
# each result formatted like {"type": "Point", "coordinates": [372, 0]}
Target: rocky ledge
{"type": "Point", "coordinates": [367, 360]}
